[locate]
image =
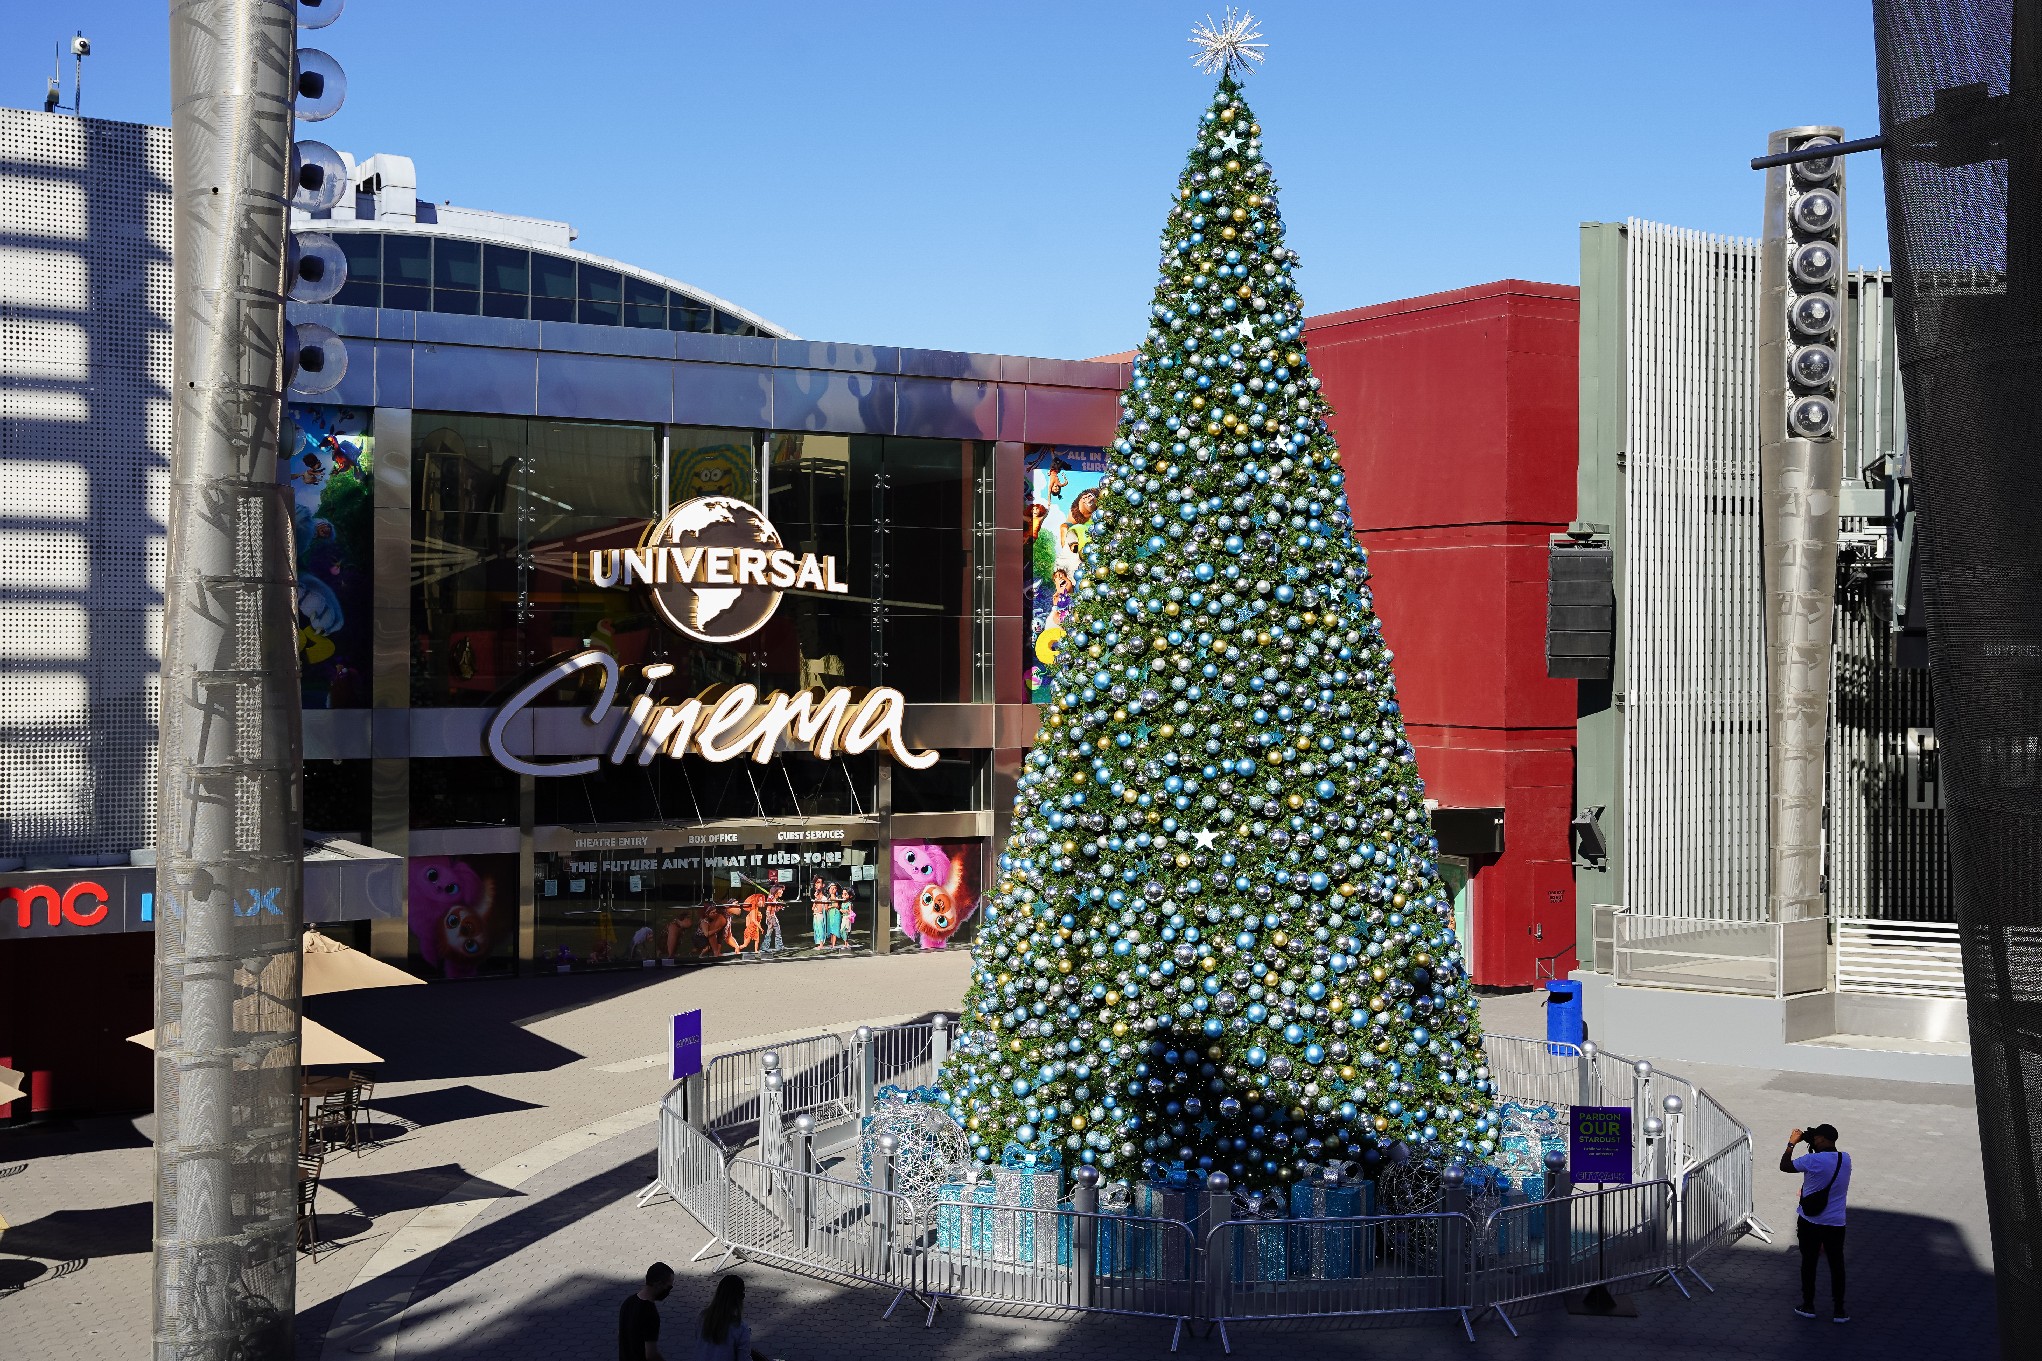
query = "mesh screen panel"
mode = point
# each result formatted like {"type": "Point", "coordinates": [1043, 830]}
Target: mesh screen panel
{"type": "Point", "coordinates": [1960, 93]}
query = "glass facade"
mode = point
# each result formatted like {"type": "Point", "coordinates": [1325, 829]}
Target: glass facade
{"type": "Point", "coordinates": [686, 860]}
{"type": "Point", "coordinates": [420, 273]}
{"type": "Point", "coordinates": [505, 508]}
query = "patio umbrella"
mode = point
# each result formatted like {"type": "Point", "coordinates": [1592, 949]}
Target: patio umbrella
{"type": "Point", "coordinates": [319, 1047]}
{"type": "Point", "coordinates": [333, 967]}
{"type": "Point", "coordinates": [10, 1086]}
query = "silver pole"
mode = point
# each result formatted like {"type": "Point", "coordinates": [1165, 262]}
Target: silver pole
{"type": "Point", "coordinates": [1800, 488]}
{"type": "Point", "coordinates": [229, 826]}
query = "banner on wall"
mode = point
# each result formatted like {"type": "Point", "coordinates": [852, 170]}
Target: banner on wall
{"type": "Point", "coordinates": [1063, 494]}
{"type": "Point", "coordinates": [936, 891]}
{"type": "Point", "coordinates": [328, 472]}
{"type": "Point", "coordinates": [464, 914]}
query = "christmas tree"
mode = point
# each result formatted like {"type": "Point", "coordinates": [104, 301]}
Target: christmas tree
{"type": "Point", "coordinates": [1219, 938]}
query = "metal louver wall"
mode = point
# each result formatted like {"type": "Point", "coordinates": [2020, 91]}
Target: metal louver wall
{"type": "Point", "coordinates": [1960, 108]}
{"type": "Point", "coordinates": [1691, 777]}
{"type": "Point", "coordinates": [85, 304]}
{"type": "Point", "coordinates": [1694, 689]}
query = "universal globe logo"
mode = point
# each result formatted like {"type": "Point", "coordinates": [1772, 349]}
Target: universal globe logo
{"type": "Point", "coordinates": [715, 569]}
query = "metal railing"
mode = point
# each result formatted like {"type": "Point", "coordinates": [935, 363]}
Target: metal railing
{"type": "Point", "coordinates": [1572, 1242]}
{"type": "Point", "coordinates": [1765, 959]}
{"type": "Point", "coordinates": [1692, 1193]}
{"type": "Point", "coordinates": [815, 1075]}
{"type": "Point", "coordinates": [1268, 1269]}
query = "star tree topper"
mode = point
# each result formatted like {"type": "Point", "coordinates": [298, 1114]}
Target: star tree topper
{"type": "Point", "coordinates": [1228, 46]}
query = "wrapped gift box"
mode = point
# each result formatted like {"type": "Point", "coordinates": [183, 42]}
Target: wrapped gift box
{"type": "Point", "coordinates": [1025, 1220]}
{"type": "Point", "coordinates": [1314, 1249]}
{"type": "Point", "coordinates": [964, 1216]}
{"type": "Point", "coordinates": [1260, 1250]}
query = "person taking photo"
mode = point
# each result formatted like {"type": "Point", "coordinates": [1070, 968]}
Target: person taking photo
{"type": "Point", "coordinates": [1819, 1220]}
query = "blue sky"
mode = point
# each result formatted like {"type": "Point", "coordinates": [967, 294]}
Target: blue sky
{"type": "Point", "coordinates": [993, 175]}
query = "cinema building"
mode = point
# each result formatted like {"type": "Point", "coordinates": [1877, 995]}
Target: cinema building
{"type": "Point", "coordinates": [634, 630]}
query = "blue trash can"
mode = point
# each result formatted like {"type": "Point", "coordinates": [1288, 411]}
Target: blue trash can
{"type": "Point", "coordinates": [1565, 1024]}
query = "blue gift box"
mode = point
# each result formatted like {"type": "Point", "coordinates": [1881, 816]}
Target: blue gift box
{"type": "Point", "coordinates": [1260, 1251]}
{"type": "Point", "coordinates": [1314, 1249]}
{"type": "Point", "coordinates": [964, 1216]}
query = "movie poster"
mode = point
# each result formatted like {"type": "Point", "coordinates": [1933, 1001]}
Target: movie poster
{"type": "Point", "coordinates": [328, 475]}
{"type": "Point", "coordinates": [463, 911]}
{"type": "Point", "coordinates": [937, 892]}
{"type": "Point", "coordinates": [1063, 494]}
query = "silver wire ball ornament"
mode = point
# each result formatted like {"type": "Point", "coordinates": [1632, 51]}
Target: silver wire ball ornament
{"type": "Point", "coordinates": [1228, 47]}
{"type": "Point", "coordinates": [929, 1150]}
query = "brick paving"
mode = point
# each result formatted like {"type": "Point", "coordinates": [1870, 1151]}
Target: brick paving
{"type": "Point", "coordinates": [539, 1272]}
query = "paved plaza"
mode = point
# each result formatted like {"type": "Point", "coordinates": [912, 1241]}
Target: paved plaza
{"type": "Point", "coordinates": [501, 1213]}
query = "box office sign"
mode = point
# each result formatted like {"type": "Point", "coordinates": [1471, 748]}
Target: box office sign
{"type": "Point", "coordinates": [715, 570]}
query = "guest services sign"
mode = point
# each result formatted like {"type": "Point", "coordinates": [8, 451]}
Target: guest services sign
{"type": "Point", "coordinates": [715, 569]}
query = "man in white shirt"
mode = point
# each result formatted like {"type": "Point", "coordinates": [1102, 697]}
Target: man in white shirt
{"type": "Point", "coordinates": [1825, 1183]}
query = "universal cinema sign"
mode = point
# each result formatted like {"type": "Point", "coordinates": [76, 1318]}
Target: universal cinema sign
{"type": "Point", "coordinates": [714, 569]}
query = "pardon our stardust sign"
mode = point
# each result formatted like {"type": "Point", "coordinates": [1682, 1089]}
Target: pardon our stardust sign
{"type": "Point", "coordinates": [1599, 1144]}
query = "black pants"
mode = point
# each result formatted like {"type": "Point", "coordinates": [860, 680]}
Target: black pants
{"type": "Point", "coordinates": [1817, 1239]}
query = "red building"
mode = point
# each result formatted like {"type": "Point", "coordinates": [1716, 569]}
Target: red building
{"type": "Point", "coordinates": [1456, 415]}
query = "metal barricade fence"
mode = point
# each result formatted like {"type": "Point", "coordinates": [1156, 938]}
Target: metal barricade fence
{"type": "Point", "coordinates": [808, 1219]}
{"type": "Point", "coordinates": [1265, 1269]}
{"type": "Point", "coordinates": [1548, 1247]}
{"type": "Point", "coordinates": [1715, 1201]}
{"type": "Point", "coordinates": [1060, 1257]}
{"type": "Point", "coordinates": [1068, 1257]}
{"type": "Point", "coordinates": [815, 1073]}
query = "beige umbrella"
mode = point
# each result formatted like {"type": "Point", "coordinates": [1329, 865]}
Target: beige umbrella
{"type": "Point", "coordinates": [10, 1086]}
{"type": "Point", "coordinates": [333, 967]}
{"type": "Point", "coordinates": [319, 1047]}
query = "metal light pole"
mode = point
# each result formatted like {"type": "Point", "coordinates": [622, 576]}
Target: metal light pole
{"type": "Point", "coordinates": [229, 826]}
{"type": "Point", "coordinates": [1800, 460]}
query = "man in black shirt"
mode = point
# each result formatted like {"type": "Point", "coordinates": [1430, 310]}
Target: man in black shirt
{"type": "Point", "coordinates": [638, 1320]}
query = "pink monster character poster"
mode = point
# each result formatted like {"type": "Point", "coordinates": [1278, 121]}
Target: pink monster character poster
{"type": "Point", "coordinates": [459, 917]}
{"type": "Point", "coordinates": [934, 889]}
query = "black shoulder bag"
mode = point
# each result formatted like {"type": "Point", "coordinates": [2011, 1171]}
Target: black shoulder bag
{"type": "Point", "coordinates": [1815, 1202]}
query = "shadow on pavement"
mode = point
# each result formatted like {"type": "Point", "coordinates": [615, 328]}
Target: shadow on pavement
{"type": "Point", "coordinates": [444, 1105]}
{"type": "Point", "coordinates": [394, 1192]}
{"type": "Point", "coordinates": [64, 1235]}
{"type": "Point", "coordinates": [69, 1137]}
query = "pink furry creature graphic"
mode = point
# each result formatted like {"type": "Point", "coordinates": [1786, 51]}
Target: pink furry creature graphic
{"type": "Point", "coordinates": [453, 915]}
{"type": "Point", "coordinates": [929, 895]}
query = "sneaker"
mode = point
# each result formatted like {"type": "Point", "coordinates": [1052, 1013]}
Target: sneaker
{"type": "Point", "coordinates": [1804, 1313]}
{"type": "Point", "coordinates": [1841, 1318]}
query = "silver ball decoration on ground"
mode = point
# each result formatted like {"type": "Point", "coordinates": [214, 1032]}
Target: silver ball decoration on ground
{"type": "Point", "coordinates": [929, 1150]}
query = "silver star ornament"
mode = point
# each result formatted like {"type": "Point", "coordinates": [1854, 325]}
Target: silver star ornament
{"type": "Point", "coordinates": [1228, 46]}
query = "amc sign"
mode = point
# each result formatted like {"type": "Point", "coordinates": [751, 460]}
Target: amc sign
{"type": "Point", "coordinates": [71, 903]}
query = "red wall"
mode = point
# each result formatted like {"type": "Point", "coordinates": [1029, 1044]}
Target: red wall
{"type": "Point", "coordinates": [1456, 415]}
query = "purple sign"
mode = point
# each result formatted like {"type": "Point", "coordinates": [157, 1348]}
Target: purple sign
{"type": "Point", "coordinates": [687, 1046]}
{"type": "Point", "coordinates": [1599, 1144]}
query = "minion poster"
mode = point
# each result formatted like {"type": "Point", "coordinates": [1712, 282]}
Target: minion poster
{"type": "Point", "coordinates": [1063, 495]}
{"type": "Point", "coordinates": [326, 467]}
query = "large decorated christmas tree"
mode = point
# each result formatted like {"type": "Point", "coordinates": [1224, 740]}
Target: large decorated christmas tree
{"type": "Point", "coordinates": [1219, 938]}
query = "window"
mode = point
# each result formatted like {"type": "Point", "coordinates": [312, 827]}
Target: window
{"type": "Point", "coordinates": [364, 252]}
{"type": "Point", "coordinates": [407, 273]}
{"type": "Point", "coordinates": [644, 304]}
{"type": "Point", "coordinates": [552, 288]}
{"type": "Point", "coordinates": [457, 277]}
{"type": "Point", "coordinates": [602, 297]}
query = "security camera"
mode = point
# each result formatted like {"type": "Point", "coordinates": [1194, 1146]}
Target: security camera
{"type": "Point", "coordinates": [81, 46]}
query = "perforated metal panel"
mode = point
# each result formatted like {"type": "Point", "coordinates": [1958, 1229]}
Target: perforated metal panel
{"type": "Point", "coordinates": [85, 294]}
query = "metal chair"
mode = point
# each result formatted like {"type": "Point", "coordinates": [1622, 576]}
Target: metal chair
{"type": "Point", "coordinates": [364, 1092]}
{"type": "Point", "coordinates": [309, 1165]}
{"type": "Point", "coordinates": [333, 1121]}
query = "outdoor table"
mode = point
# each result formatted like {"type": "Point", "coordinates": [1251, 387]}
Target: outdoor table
{"type": "Point", "coordinates": [310, 1089]}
